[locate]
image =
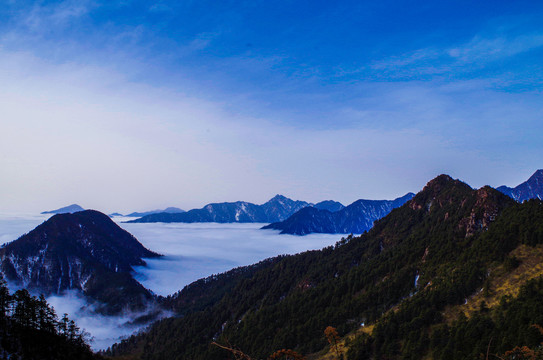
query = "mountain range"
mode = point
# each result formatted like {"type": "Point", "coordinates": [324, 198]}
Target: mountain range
{"type": "Point", "coordinates": [289, 216]}
{"type": "Point", "coordinates": [453, 273]}
{"type": "Point", "coordinates": [355, 218]}
{"type": "Point", "coordinates": [400, 291]}
{"type": "Point", "coordinates": [84, 251]}
{"type": "Point", "coordinates": [530, 189]}
{"type": "Point", "coordinates": [276, 209]}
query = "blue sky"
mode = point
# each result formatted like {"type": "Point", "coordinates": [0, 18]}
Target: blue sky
{"type": "Point", "coordinates": [128, 105]}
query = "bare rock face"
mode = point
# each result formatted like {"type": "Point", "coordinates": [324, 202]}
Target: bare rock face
{"type": "Point", "coordinates": [488, 204]}
{"type": "Point", "coordinates": [479, 207]}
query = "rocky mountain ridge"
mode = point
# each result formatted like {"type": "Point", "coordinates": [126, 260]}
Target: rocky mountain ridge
{"type": "Point", "coordinates": [276, 209]}
{"type": "Point", "coordinates": [530, 189]}
{"type": "Point", "coordinates": [353, 219]}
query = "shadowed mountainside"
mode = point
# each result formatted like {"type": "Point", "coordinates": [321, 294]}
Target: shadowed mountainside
{"type": "Point", "coordinates": [530, 189]}
{"type": "Point", "coordinates": [353, 219]}
{"type": "Point", "coordinates": [276, 209]}
{"type": "Point", "coordinates": [84, 251]}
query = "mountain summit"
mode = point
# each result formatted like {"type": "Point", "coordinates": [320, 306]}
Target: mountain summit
{"type": "Point", "coordinates": [65, 210]}
{"type": "Point", "coordinates": [84, 251]}
{"type": "Point", "coordinates": [530, 189]}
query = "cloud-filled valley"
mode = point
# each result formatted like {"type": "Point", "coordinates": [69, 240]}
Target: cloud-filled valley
{"type": "Point", "coordinates": [191, 252]}
{"type": "Point", "coordinates": [194, 251]}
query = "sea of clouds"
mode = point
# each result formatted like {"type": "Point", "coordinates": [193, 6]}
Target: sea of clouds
{"type": "Point", "coordinates": [191, 252]}
{"type": "Point", "coordinates": [194, 251]}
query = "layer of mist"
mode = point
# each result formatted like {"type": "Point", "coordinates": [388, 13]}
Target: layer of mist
{"type": "Point", "coordinates": [103, 330]}
{"type": "Point", "coordinates": [194, 251]}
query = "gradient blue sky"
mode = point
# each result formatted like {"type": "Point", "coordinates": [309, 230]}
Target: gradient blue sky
{"type": "Point", "coordinates": [131, 105]}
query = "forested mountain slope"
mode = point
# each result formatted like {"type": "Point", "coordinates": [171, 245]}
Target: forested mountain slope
{"type": "Point", "coordinates": [31, 330]}
{"type": "Point", "coordinates": [431, 253]}
{"type": "Point", "coordinates": [83, 251]}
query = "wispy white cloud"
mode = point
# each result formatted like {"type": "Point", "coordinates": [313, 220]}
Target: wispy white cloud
{"type": "Point", "coordinates": [45, 17]}
{"type": "Point", "coordinates": [479, 52]}
{"type": "Point", "coordinates": [480, 49]}
{"type": "Point", "coordinates": [160, 6]}
{"type": "Point", "coordinates": [104, 330]}
{"type": "Point", "coordinates": [411, 59]}
{"type": "Point", "coordinates": [79, 133]}
{"type": "Point", "coordinates": [97, 121]}
{"type": "Point", "coordinates": [202, 41]}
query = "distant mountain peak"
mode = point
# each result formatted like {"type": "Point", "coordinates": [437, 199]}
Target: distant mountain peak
{"type": "Point", "coordinates": [530, 189]}
{"type": "Point", "coordinates": [278, 197]}
{"type": "Point", "coordinates": [172, 209]}
{"type": "Point", "coordinates": [329, 205]}
{"type": "Point", "coordinates": [537, 176]}
{"type": "Point", "coordinates": [65, 210]}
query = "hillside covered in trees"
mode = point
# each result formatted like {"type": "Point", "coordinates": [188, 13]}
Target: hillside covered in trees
{"type": "Point", "coordinates": [30, 329]}
{"type": "Point", "coordinates": [389, 292]}
{"type": "Point", "coordinates": [84, 251]}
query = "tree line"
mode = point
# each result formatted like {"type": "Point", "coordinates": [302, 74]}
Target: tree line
{"type": "Point", "coordinates": [31, 329]}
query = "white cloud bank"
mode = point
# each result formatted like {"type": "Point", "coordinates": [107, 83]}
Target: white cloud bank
{"type": "Point", "coordinates": [194, 251]}
{"type": "Point", "coordinates": [103, 330]}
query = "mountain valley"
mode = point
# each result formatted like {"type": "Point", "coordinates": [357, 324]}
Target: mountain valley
{"type": "Point", "coordinates": [398, 279]}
